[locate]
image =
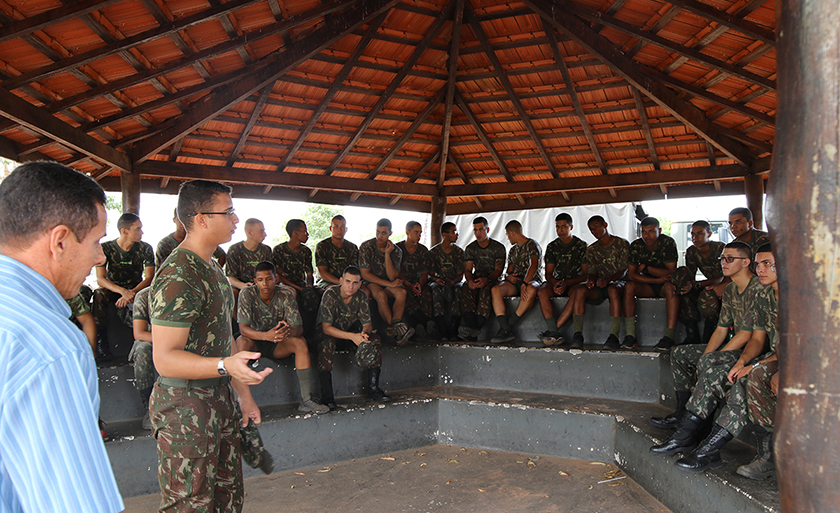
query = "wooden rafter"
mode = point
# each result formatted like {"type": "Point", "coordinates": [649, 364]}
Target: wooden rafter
{"type": "Point", "coordinates": [52, 17]}
{"type": "Point", "coordinates": [454, 47]}
{"type": "Point", "coordinates": [737, 106]}
{"type": "Point", "coordinates": [252, 120]}
{"type": "Point", "coordinates": [482, 135]}
{"type": "Point", "coordinates": [425, 167]}
{"type": "Point", "coordinates": [514, 99]}
{"type": "Point", "coordinates": [276, 65]}
{"type": "Point", "coordinates": [395, 82]}
{"type": "Point", "coordinates": [627, 69]}
{"type": "Point", "coordinates": [643, 119]}
{"type": "Point", "coordinates": [570, 85]}
{"type": "Point", "coordinates": [734, 22]}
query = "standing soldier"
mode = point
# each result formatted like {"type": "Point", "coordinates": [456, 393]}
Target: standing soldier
{"type": "Point", "coordinates": [171, 241]}
{"type": "Point", "coordinates": [243, 256]}
{"type": "Point", "coordinates": [484, 263]}
{"type": "Point", "coordinates": [335, 254]}
{"type": "Point", "coordinates": [564, 257]}
{"type": "Point", "coordinates": [194, 418]}
{"type": "Point", "coordinates": [414, 272]}
{"type": "Point", "coordinates": [447, 272]}
{"type": "Point", "coordinates": [294, 265]}
{"type": "Point", "coordinates": [345, 315]}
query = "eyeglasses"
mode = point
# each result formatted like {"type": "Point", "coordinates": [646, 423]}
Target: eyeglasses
{"type": "Point", "coordinates": [730, 259]}
{"type": "Point", "coordinates": [228, 212]}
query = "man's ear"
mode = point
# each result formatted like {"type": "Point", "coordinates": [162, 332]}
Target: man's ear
{"type": "Point", "coordinates": [59, 238]}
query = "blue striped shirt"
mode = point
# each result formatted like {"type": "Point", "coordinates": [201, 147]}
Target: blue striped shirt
{"type": "Point", "coordinates": [52, 458]}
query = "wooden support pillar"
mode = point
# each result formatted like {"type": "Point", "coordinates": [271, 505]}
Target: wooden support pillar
{"type": "Point", "coordinates": [438, 214]}
{"type": "Point", "coordinates": [803, 192]}
{"type": "Point", "coordinates": [130, 183]}
{"type": "Point", "coordinates": [754, 190]}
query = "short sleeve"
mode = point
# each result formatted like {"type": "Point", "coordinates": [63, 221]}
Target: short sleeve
{"type": "Point", "coordinates": [244, 310]}
{"type": "Point", "coordinates": [148, 255]}
{"type": "Point", "coordinates": [175, 300]}
{"type": "Point", "coordinates": [727, 318]}
{"type": "Point", "coordinates": [291, 314]}
{"type": "Point", "coordinates": [364, 256]}
{"type": "Point", "coordinates": [364, 310]}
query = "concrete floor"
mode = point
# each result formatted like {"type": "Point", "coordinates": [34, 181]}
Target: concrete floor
{"type": "Point", "coordinates": [444, 478]}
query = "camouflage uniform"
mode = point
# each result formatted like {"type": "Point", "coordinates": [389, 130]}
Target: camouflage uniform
{"type": "Point", "coordinates": [519, 259]}
{"type": "Point", "coordinates": [761, 401]}
{"type": "Point", "coordinates": [241, 261]}
{"type": "Point", "coordinates": [78, 305]}
{"type": "Point", "coordinates": [664, 253]}
{"type": "Point", "coordinates": [759, 238]}
{"type": "Point", "coordinates": [335, 259]}
{"type": "Point", "coordinates": [567, 258]}
{"type": "Point", "coordinates": [606, 261]}
{"type": "Point", "coordinates": [124, 268]}
{"type": "Point", "coordinates": [373, 260]}
{"type": "Point", "coordinates": [706, 300]}
{"type": "Point", "coordinates": [446, 300]}
{"type": "Point", "coordinates": [141, 351]}
{"type": "Point", "coordinates": [479, 301]}
{"type": "Point", "coordinates": [412, 266]}
{"type": "Point", "coordinates": [168, 243]}
{"type": "Point", "coordinates": [294, 266]}
{"type": "Point", "coordinates": [196, 423]}
{"type": "Point", "coordinates": [347, 317]}
{"type": "Point", "coordinates": [263, 317]}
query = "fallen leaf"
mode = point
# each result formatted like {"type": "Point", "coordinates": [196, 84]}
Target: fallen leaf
{"type": "Point", "coordinates": [293, 486]}
{"type": "Point", "coordinates": [299, 474]}
{"type": "Point", "coordinates": [325, 469]}
{"type": "Point", "coordinates": [598, 463]}
{"type": "Point", "coordinates": [590, 487]}
{"type": "Point", "coordinates": [387, 458]}
{"type": "Point", "coordinates": [452, 460]}
{"type": "Point", "coordinates": [481, 489]}
{"type": "Point", "coordinates": [450, 481]}
{"type": "Point", "coordinates": [615, 484]}
{"type": "Point", "coordinates": [419, 453]}
{"type": "Point", "coordinates": [422, 464]}
{"type": "Point", "coordinates": [531, 464]}
{"type": "Point", "coordinates": [523, 461]}
{"type": "Point", "coordinates": [464, 449]}
{"type": "Point", "coordinates": [535, 458]}
{"type": "Point", "coordinates": [484, 452]}
{"type": "Point", "coordinates": [563, 473]}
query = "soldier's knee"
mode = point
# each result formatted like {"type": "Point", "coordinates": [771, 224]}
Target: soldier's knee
{"type": "Point", "coordinates": [399, 293]}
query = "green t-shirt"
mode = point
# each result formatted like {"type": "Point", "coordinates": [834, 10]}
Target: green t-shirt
{"type": "Point", "coordinates": [709, 266]}
{"type": "Point", "coordinates": [484, 259]}
{"type": "Point", "coordinates": [738, 309]}
{"type": "Point", "coordinates": [335, 259]}
{"type": "Point", "coordinates": [335, 312]}
{"type": "Point", "coordinates": [519, 259]}
{"type": "Point", "coordinates": [567, 258]}
{"type": "Point", "coordinates": [127, 268]}
{"type": "Point", "coordinates": [664, 253]}
{"type": "Point", "coordinates": [294, 266]}
{"type": "Point", "coordinates": [767, 316]}
{"type": "Point", "coordinates": [140, 312]}
{"type": "Point", "coordinates": [263, 317]}
{"type": "Point", "coordinates": [446, 266]}
{"type": "Point", "coordinates": [241, 261]}
{"type": "Point", "coordinates": [413, 265]}
{"type": "Point", "coordinates": [191, 293]}
{"type": "Point", "coordinates": [606, 261]}
{"type": "Point", "coordinates": [372, 259]}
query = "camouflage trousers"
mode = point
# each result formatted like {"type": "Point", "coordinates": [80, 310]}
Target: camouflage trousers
{"type": "Point", "coordinates": [199, 464]}
{"type": "Point", "coordinates": [446, 300]}
{"type": "Point", "coordinates": [101, 299]}
{"type": "Point", "coordinates": [479, 301]}
{"type": "Point", "coordinates": [368, 355]}
{"type": "Point", "coordinates": [733, 417]}
{"type": "Point", "coordinates": [419, 308]}
{"type": "Point", "coordinates": [695, 302]}
{"type": "Point", "coordinates": [761, 401]}
{"type": "Point", "coordinates": [144, 366]}
{"type": "Point", "coordinates": [684, 360]}
{"type": "Point", "coordinates": [712, 384]}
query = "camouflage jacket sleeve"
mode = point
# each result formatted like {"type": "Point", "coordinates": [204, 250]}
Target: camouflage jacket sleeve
{"type": "Point", "coordinates": [669, 250]}
{"type": "Point", "coordinates": [634, 256]}
{"type": "Point", "coordinates": [78, 305]}
{"type": "Point", "coordinates": [326, 312]}
{"type": "Point", "coordinates": [175, 299]}
{"type": "Point", "coordinates": [364, 308]}
{"type": "Point", "coordinates": [148, 254]}
{"type": "Point", "coordinates": [245, 305]}
{"type": "Point", "coordinates": [233, 261]}
{"type": "Point", "coordinates": [692, 260]}
{"type": "Point", "coordinates": [727, 316]}
{"type": "Point", "coordinates": [321, 256]}
{"type": "Point", "coordinates": [291, 314]}
{"type": "Point", "coordinates": [140, 312]}
{"type": "Point", "coordinates": [365, 255]}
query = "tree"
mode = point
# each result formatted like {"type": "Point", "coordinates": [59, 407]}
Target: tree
{"type": "Point", "coordinates": [318, 218]}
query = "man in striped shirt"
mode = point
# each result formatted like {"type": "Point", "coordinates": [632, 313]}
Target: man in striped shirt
{"type": "Point", "coordinates": [51, 454]}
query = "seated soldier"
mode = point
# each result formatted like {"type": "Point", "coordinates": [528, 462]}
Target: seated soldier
{"type": "Point", "coordinates": [704, 364]}
{"type": "Point", "coordinates": [605, 267]}
{"type": "Point", "coordinates": [82, 317]}
{"type": "Point", "coordinates": [484, 262]}
{"type": "Point", "coordinates": [345, 315]}
{"type": "Point", "coordinates": [335, 254]}
{"type": "Point", "coordinates": [742, 228]}
{"type": "Point", "coordinates": [141, 353]}
{"type": "Point", "coordinates": [129, 266]}
{"type": "Point", "coordinates": [734, 416]}
{"type": "Point", "coordinates": [379, 260]}
{"type": "Point", "coordinates": [447, 272]}
{"type": "Point", "coordinates": [703, 255]}
{"type": "Point", "coordinates": [294, 269]}
{"type": "Point", "coordinates": [244, 256]}
{"type": "Point", "coordinates": [523, 279]}
{"type": "Point", "coordinates": [270, 324]}
{"type": "Point", "coordinates": [171, 241]}
{"type": "Point", "coordinates": [563, 259]}
{"type": "Point", "coordinates": [414, 273]}
{"type": "Point", "coordinates": [652, 259]}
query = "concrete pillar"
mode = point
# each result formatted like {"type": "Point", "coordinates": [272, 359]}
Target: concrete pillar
{"type": "Point", "coordinates": [130, 183]}
{"type": "Point", "coordinates": [438, 214]}
{"type": "Point", "coordinates": [754, 190]}
{"type": "Point", "coordinates": [803, 203]}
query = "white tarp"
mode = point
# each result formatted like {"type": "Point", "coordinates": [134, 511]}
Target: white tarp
{"type": "Point", "coordinates": [539, 224]}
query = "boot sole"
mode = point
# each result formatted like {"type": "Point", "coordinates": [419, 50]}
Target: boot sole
{"type": "Point", "coordinates": [710, 466]}
{"type": "Point", "coordinates": [671, 452]}
{"type": "Point", "coordinates": [755, 477]}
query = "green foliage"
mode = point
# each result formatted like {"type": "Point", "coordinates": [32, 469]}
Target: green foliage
{"type": "Point", "coordinates": [665, 224]}
{"type": "Point", "coordinates": [318, 218]}
{"type": "Point", "coordinates": [113, 203]}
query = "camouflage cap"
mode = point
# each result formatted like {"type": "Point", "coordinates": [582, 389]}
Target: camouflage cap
{"type": "Point", "coordinates": [366, 354]}
{"type": "Point", "coordinates": [253, 450]}
{"type": "Point", "coordinates": [681, 277]}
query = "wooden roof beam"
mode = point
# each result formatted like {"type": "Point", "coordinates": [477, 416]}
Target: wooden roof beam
{"type": "Point", "coordinates": [459, 169]}
{"type": "Point", "coordinates": [643, 119]}
{"type": "Point", "coordinates": [425, 167]}
{"type": "Point", "coordinates": [252, 120]}
{"type": "Point", "coordinates": [275, 65]}
{"type": "Point", "coordinates": [734, 22]}
{"type": "Point", "coordinates": [699, 92]}
{"type": "Point", "coordinates": [517, 104]}
{"type": "Point", "coordinates": [51, 18]}
{"type": "Point", "coordinates": [454, 48]}
{"type": "Point", "coordinates": [482, 134]}
{"type": "Point", "coordinates": [570, 85]}
{"type": "Point", "coordinates": [395, 82]}
{"type": "Point", "coordinates": [334, 89]}
{"type": "Point", "coordinates": [628, 69]}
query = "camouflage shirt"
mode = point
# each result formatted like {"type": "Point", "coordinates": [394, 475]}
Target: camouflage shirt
{"type": "Point", "coordinates": [567, 258]}
{"type": "Point", "coordinates": [127, 268]}
{"type": "Point", "coordinates": [446, 266]}
{"type": "Point", "coordinates": [294, 266]}
{"type": "Point", "coordinates": [335, 312]}
{"type": "Point", "coordinates": [78, 305]}
{"type": "Point", "coordinates": [335, 259]}
{"type": "Point", "coordinates": [484, 259]}
{"type": "Point", "coordinates": [168, 243]}
{"type": "Point", "coordinates": [373, 260]}
{"type": "Point", "coordinates": [767, 315]}
{"type": "Point", "coordinates": [710, 266]}
{"type": "Point", "coordinates": [413, 265]}
{"type": "Point", "coordinates": [141, 305]}
{"type": "Point", "coordinates": [241, 261]}
{"type": "Point", "coordinates": [738, 309]}
{"type": "Point", "coordinates": [191, 293]}
{"type": "Point", "coordinates": [606, 261]}
{"type": "Point", "coordinates": [664, 253]}
{"type": "Point", "coordinates": [519, 259]}
{"type": "Point", "coordinates": [263, 317]}
{"type": "Point", "coordinates": [759, 238]}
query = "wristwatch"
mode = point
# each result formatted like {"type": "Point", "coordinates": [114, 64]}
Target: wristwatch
{"type": "Point", "coordinates": [221, 367]}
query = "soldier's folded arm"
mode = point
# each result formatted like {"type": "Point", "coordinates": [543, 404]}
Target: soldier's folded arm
{"type": "Point", "coordinates": [334, 332]}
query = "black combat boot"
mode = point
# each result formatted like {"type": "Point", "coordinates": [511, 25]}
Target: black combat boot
{"type": "Point", "coordinates": [672, 421]}
{"type": "Point", "coordinates": [327, 397]}
{"type": "Point", "coordinates": [103, 349]}
{"type": "Point", "coordinates": [692, 333]}
{"type": "Point", "coordinates": [763, 465]}
{"type": "Point", "coordinates": [374, 392]}
{"type": "Point", "coordinates": [707, 454]}
{"type": "Point", "coordinates": [685, 438]}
